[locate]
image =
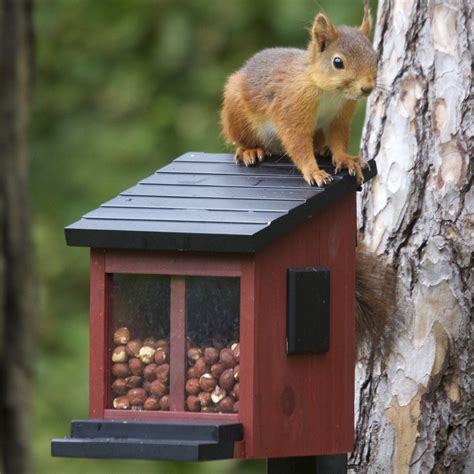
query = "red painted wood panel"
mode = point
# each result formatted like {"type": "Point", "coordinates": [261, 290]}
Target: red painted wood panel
{"type": "Point", "coordinates": [178, 343]}
{"type": "Point", "coordinates": [169, 416]}
{"type": "Point", "coordinates": [173, 263]}
{"type": "Point", "coordinates": [338, 244]}
{"type": "Point", "coordinates": [247, 354]}
{"type": "Point", "coordinates": [99, 358]}
{"type": "Point", "coordinates": [303, 404]}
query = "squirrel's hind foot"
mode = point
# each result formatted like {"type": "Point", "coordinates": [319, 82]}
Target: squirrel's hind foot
{"type": "Point", "coordinates": [353, 164]}
{"type": "Point", "coordinates": [249, 156]}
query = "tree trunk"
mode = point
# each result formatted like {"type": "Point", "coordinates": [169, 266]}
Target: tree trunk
{"type": "Point", "coordinates": [16, 295]}
{"type": "Point", "coordinates": [415, 408]}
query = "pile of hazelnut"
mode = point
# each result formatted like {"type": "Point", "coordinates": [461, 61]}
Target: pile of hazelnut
{"type": "Point", "coordinates": [141, 372]}
{"type": "Point", "coordinates": [212, 383]}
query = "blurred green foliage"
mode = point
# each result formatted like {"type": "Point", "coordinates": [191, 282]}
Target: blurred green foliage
{"type": "Point", "coordinates": [122, 88]}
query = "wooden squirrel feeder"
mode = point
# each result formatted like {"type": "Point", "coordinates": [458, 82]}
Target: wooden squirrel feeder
{"type": "Point", "coordinates": [221, 315]}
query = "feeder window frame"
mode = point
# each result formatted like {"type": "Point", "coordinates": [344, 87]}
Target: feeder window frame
{"type": "Point", "coordinates": [106, 263]}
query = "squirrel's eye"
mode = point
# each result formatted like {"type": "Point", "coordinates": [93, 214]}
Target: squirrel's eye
{"type": "Point", "coordinates": [338, 63]}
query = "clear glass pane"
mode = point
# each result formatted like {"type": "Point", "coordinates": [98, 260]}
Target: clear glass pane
{"type": "Point", "coordinates": [140, 332]}
{"type": "Point", "coordinates": [213, 348]}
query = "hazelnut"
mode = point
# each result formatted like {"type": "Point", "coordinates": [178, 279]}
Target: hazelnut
{"type": "Point", "coordinates": [237, 373]}
{"type": "Point", "coordinates": [136, 366]}
{"type": "Point", "coordinates": [192, 373]}
{"type": "Point", "coordinates": [120, 370]}
{"type": "Point", "coordinates": [121, 336]}
{"type": "Point", "coordinates": [194, 353]}
{"type": "Point", "coordinates": [150, 341]}
{"type": "Point", "coordinates": [119, 354]}
{"type": "Point", "coordinates": [146, 354]}
{"type": "Point", "coordinates": [192, 386]}
{"type": "Point", "coordinates": [121, 403]}
{"type": "Point", "coordinates": [236, 391]}
{"type": "Point", "coordinates": [218, 394]}
{"type": "Point", "coordinates": [193, 404]}
{"type": "Point", "coordinates": [151, 403]}
{"type": "Point", "coordinates": [149, 372]}
{"type": "Point", "coordinates": [236, 350]}
{"type": "Point", "coordinates": [162, 372]}
{"type": "Point", "coordinates": [200, 367]}
{"type": "Point", "coordinates": [227, 358]}
{"type": "Point", "coordinates": [165, 403]}
{"type": "Point", "coordinates": [119, 387]}
{"type": "Point", "coordinates": [162, 344]}
{"type": "Point", "coordinates": [205, 399]}
{"type": "Point", "coordinates": [236, 407]}
{"type": "Point", "coordinates": [211, 355]}
{"type": "Point", "coordinates": [217, 369]}
{"type": "Point", "coordinates": [207, 382]}
{"type": "Point", "coordinates": [160, 357]}
{"type": "Point", "coordinates": [136, 396]}
{"type": "Point", "coordinates": [133, 347]}
{"type": "Point", "coordinates": [226, 405]}
{"type": "Point", "coordinates": [134, 381]}
{"type": "Point", "coordinates": [226, 380]}
{"type": "Point", "coordinates": [147, 386]}
{"type": "Point", "coordinates": [158, 388]}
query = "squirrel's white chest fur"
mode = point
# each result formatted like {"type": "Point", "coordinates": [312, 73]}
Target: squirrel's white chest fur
{"type": "Point", "coordinates": [330, 104]}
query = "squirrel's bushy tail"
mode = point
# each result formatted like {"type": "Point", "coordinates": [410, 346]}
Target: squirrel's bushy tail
{"type": "Point", "coordinates": [376, 292]}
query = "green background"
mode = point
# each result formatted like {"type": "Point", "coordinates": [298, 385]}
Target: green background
{"type": "Point", "coordinates": [122, 88]}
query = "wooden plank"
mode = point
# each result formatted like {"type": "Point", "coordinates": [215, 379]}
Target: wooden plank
{"type": "Point", "coordinates": [339, 245]}
{"type": "Point", "coordinates": [164, 227]}
{"type": "Point", "coordinates": [174, 263]}
{"type": "Point", "coordinates": [169, 416]}
{"type": "Point", "coordinates": [99, 353]}
{"type": "Point", "coordinates": [184, 202]}
{"type": "Point", "coordinates": [178, 343]}
{"type": "Point", "coordinates": [198, 191]}
{"type": "Point", "coordinates": [169, 179]}
{"type": "Point", "coordinates": [248, 361]}
{"type": "Point", "coordinates": [184, 215]}
{"type": "Point", "coordinates": [229, 169]}
{"type": "Point", "coordinates": [200, 157]}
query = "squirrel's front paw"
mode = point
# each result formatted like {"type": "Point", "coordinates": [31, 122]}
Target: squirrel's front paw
{"type": "Point", "coordinates": [354, 165]}
{"type": "Point", "coordinates": [249, 156]}
{"type": "Point", "coordinates": [317, 176]}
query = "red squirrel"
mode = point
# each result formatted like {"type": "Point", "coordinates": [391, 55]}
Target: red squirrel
{"type": "Point", "coordinates": [300, 102]}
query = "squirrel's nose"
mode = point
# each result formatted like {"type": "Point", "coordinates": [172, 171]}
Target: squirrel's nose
{"type": "Point", "coordinates": [366, 90]}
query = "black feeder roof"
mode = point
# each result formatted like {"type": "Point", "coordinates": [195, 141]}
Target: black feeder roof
{"type": "Point", "coordinates": [207, 202]}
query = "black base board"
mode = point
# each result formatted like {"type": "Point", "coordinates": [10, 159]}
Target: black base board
{"type": "Point", "coordinates": [175, 441]}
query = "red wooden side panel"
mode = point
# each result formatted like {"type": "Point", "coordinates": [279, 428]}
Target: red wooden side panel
{"type": "Point", "coordinates": [303, 404]}
{"type": "Point", "coordinates": [99, 358]}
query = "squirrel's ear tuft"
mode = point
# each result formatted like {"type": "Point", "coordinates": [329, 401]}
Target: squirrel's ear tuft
{"type": "Point", "coordinates": [322, 32]}
{"type": "Point", "coordinates": [366, 25]}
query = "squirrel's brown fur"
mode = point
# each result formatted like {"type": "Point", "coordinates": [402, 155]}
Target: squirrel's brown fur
{"type": "Point", "coordinates": [299, 102]}
{"type": "Point", "coordinates": [376, 321]}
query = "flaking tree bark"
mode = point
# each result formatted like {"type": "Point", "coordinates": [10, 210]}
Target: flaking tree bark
{"type": "Point", "coordinates": [16, 283]}
{"type": "Point", "coordinates": [414, 409]}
